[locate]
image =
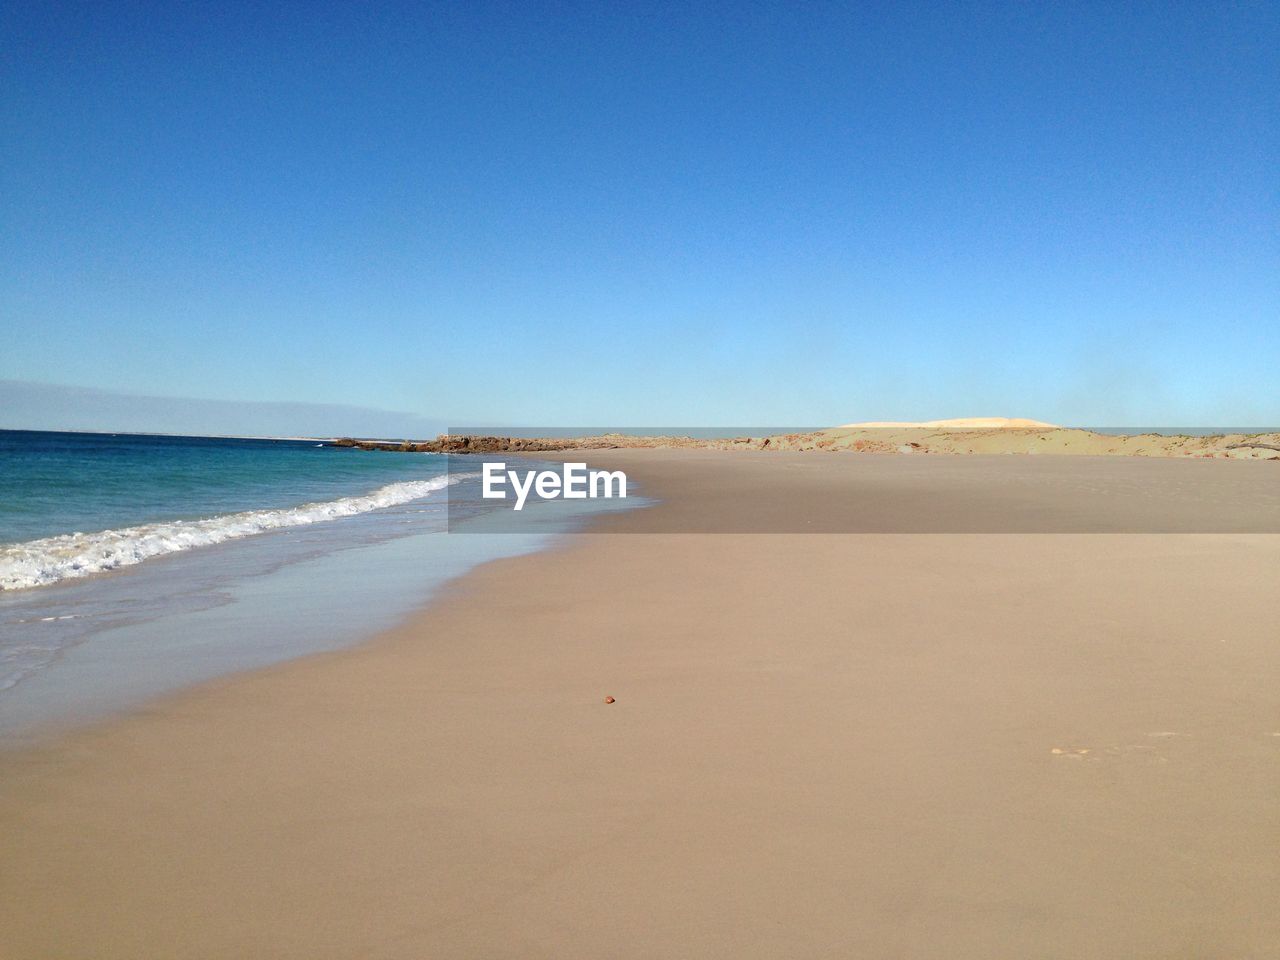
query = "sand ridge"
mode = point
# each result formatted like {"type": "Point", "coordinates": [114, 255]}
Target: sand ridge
{"type": "Point", "coordinates": [973, 435]}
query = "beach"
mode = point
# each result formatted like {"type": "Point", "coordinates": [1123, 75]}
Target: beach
{"type": "Point", "coordinates": [880, 706]}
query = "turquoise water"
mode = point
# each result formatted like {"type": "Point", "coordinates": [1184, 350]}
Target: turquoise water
{"type": "Point", "coordinates": [58, 483]}
{"type": "Point", "coordinates": [135, 565]}
{"type": "Point", "coordinates": [80, 504]}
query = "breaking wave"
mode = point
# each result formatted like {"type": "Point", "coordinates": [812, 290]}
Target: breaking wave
{"type": "Point", "coordinates": [51, 559]}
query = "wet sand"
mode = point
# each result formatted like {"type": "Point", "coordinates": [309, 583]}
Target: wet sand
{"type": "Point", "coordinates": [1000, 741]}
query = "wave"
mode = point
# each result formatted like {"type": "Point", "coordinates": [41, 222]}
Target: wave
{"type": "Point", "coordinates": [49, 560]}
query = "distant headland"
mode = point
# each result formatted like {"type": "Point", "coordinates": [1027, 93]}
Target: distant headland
{"type": "Point", "coordinates": [973, 435]}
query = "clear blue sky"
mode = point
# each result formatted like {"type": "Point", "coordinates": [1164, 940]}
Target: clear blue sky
{"type": "Point", "coordinates": [649, 213]}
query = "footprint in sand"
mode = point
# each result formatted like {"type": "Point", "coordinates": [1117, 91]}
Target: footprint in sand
{"type": "Point", "coordinates": [1135, 751]}
{"type": "Point", "coordinates": [1074, 753]}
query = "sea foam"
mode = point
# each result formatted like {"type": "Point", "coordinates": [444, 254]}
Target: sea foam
{"type": "Point", "coordinates": [51, 559]}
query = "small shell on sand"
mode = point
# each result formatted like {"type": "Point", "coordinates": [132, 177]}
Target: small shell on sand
{"type": "Point", "coordinates": [609, 700]}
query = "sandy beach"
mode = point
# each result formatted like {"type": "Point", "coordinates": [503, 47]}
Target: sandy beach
{"type": "Point", "coordinates": [865, 707]}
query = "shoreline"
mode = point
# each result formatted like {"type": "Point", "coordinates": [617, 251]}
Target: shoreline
{"type": "Point", "coordinates": [245, 602]}
{"type": "Point", "coordinates": [819, 745]}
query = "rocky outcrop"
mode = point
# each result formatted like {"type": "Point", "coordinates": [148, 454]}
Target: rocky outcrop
{"type": "Point", "coordinates": [473, 443]}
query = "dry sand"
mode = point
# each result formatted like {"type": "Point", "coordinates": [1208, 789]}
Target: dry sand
{"type": "Point", "coordinates": [973, 745]}
{"type": "Point", "coordinates": [1013, 437]}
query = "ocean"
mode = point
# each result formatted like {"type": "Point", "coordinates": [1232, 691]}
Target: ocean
{"type": "Point", "coordinates": [132, 565]}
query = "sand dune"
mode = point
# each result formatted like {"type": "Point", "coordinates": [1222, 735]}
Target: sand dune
{"type": "Point", "coordinates": [1016, 439]}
